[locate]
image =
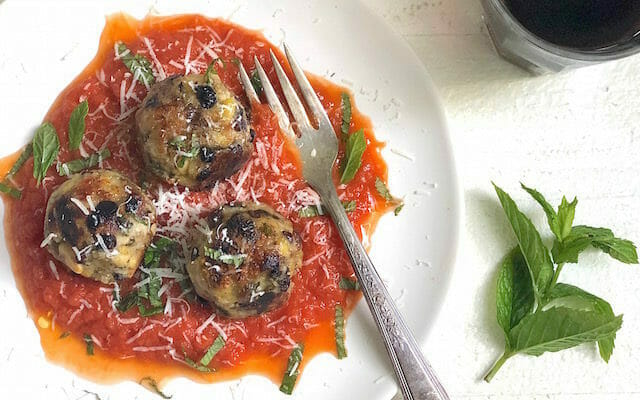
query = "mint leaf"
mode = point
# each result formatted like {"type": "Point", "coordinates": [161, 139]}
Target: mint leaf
{"type": "Point", "coordinates": [582, 236]}
{"type": "Point", "coordinates": [346, 114]}
{"type": "Point", "coordinates": [293, 370]}
{"type": "Point", "coordinates": [514, 297]}
{"type": "Point", "coordinates": [217, 345]}
{"type": "Point", "coordinates": [620, 249]}
{"type": "Point", "coordinates": [80, 164]}
{"type": "Point", "coordinates": [150, 384]}
{"type": "Point", "coordinates": [339, 332]}
{"type": "Point", "coordinates": [7, 188]}
{"type": "Point", "coordinates": [139, 66]}
{"type": "Point", "coordinates": [356, 145]}
{"type": "Point", "coordinates": [349, 284]}
{"type": "Point", "coordinates": [560, 328]}
{"type": "Point", "coordinates": [566, 213]}
{"type": "Point", "coordinates": [77, 125]}
{"type": "Point", "coordinates": [255, 81]}
{"type": "Point", "coordinates": [45, 150]}
{"type": "Point", "coordinates": [535, 253]}
{"type": "Point", "coordinates": [573, 297]}
{"type": "Point", "coordinates": [552, 216]}
{"type": "Point", "coordinates": [24, 156]}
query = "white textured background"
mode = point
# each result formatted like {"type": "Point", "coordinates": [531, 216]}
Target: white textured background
{"type": "Point", "coordinates": [576, 133]}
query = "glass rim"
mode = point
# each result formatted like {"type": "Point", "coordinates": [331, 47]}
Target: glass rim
{"type": "Point", "coordinates": [612, 52]}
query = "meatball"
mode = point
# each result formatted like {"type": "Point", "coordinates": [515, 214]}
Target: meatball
{"type": "Point", "coordinates": [193, 132]}
{"type": "Point", "coordinates": [99, 224]}
{"type": "Point", "coordinates": [243, 263]}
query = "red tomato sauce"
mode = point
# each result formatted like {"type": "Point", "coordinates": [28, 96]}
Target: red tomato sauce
{"type": "Point", "coordinates": [124, 342]}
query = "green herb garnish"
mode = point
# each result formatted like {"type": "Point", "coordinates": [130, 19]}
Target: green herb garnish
{"type": "Point", "coordinates": [231, 259]}
{"type": "Point", "coordinates": [139, 66]}
{"type": "Point", "coordinates": [383, 191]}
{"type": "Point", "coordinates": [211, 71]}
{"type": "Point", "coordinates": [349, 284]}
{"type": "Point", "coordinates": [150, 384]}
{"type": "Point", "coordinates": [89, 341]}
{"type": "Point", "coordinates": [346, 115]}
{"type": "Point", "coordinates": [538, 314]}
{"type": "Point", "coordinates": [293, 370]}
{"type": "Point", "coordinates": [127, 302]}
{"type": "Point", "coordinates": [217, 345]}
{"type": "Point", "coordinates": [314, 210]}
{"type": "Point", "coordinates": [7, 188]}
{"type": "Point", "coordinates": [74, 166]}
{"type": "Point", "coordinates": [339, 330]}
{"type": "Point", "coordinates": [255, 81]}
{"type": "Point", "coordinates": [195, 365]}
{"type": "Point", "coordinates": [45, 150]}
{"type": "Point", "coordinates": [356, 145]}
{"type": "Point", "coordinates": [24, 156]}
{"type": "Point", "coordinates": [64, 334]}
{"type": "Point", "coordinates": [77, 125]}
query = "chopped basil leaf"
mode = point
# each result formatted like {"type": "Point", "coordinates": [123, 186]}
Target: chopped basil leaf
{"type": "Point", "coordinates": [64, 334]}
{"type": "Point", "coordinates": [314, 211]}
{"type": "Point", "coordinates": [349, 206]}
{"type": "Point", "coordinates": [309, 212]}
{"type": "Point", "coordinates": [195, 365]}
{"type": "Point", "coordinates": [339, 329]}
{"type": "Point", "coordinates": [383, 190]}
{"type": "Point", "coordinates": [178, 142]}
{"type": "Point", "coordinates": [231, 259]}
{"type": "Point", "coordinates": [356, 145]}
{"type": "Point", "coordinates": [148, 312]}
{"type": "Point", "coordinates": [349, 284]}
{"type": "Point", "coordinates": [211, 71]}
{"type": "Point", "coordinates": [139, 66]}
{"type": "Point", "coordinates": [24, 156]}
{"type": "Point", "coordinates": [293, 370]}
{"type": "Point", "coordinates": [346, 115]}
{"type": "Point", "coordinates": [154, 286]}
{"type": "Point", "coordinates": [89, 341]}
{"type": "Point", "coordinates": [217, 345]}
{"type": "Point", "coordinates": [153, 253]}
{"type": "Point", "coordinates": [80, 164]}
{"type": "Point", "coordinates": [76, 125]}
{"type": "Point", "coordinates": [6, 187]}
{"type": "Point", "coordinates": [128, 301]}
{"type": "Point", "coordinates": [45, 150]}
{"type": "Point", "coordinates": [255, 81]}
{"type": "Point", "coordinates": [150, 384]}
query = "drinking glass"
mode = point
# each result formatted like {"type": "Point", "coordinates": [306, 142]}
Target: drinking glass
{"type": "Point", "coordinates": [520, 46]}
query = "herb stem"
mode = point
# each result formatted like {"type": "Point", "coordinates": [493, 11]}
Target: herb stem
{"type": "Point", "coordinates": [556, 275]}
{"type": "Point", "coordinates": [496, 367]}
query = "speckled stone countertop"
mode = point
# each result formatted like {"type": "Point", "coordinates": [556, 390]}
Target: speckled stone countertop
{"type": "Point", "coordinates": [574, 133]}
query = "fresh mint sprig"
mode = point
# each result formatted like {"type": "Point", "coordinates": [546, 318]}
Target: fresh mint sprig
{"type": "Point", "coordinates": [536, 312]}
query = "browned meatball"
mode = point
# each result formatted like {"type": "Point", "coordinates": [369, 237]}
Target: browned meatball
{"type": "Point", "coordinates": [244, 264]}
{"type": "Point", "coordinates": [99, 224]}
{"type": "Point", "coordinates": [193, 131]}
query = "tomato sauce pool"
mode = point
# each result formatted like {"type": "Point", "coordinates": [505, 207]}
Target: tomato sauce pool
{"type": "Point", "coordinates": [67, 307]}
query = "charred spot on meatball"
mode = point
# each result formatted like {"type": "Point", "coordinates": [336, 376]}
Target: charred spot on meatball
{"type": "Point", "coordinates": [196, 132]}
{"type": "Point", "coordinates": [245, 264]}
{"type": "Point", "coordinates": [105, 241]}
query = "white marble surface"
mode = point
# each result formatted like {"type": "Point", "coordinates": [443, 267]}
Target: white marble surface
{"type": "Point", "coordinates": [576, 133]}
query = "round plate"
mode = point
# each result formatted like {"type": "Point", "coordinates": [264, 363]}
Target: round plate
{"type": "Point", "coordinates": [47, 43]}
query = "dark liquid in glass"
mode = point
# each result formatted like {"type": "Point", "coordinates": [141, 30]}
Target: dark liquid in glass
{"type": "Point", "coordinates": [580, 24]}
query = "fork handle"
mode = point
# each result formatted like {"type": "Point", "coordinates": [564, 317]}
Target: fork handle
{"type": "Point", "coordinates": [416, 378]}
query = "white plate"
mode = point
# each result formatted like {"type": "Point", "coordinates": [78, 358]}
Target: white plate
{"type": "Point", "coordinates": [45, 44]}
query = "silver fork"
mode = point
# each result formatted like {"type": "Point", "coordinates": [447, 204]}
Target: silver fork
{"type": "Point", "coordinates": [318, 151]}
